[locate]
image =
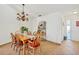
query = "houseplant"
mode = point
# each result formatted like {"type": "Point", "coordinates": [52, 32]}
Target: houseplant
{"type": "Point", "coordinates": [23, 29]}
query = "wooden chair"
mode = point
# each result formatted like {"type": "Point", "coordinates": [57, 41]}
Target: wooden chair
{"type": "Point", "coordinates": [33, 45]}
{"type": "Point", "coordinates": [19, 46]}
{"type": "Point", "coordinates": [34, 33]}
{"type": "Point", "coordinates": [13, 41]}
{"type": "Point", "coordinates": [29, 33]}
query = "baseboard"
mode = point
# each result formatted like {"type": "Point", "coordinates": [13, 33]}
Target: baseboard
{"type": "Point", "coordinates": [4, 44]}
{"type": "Point", "coordinates": [54, 42]}
{"type": "Point", "coordinates": [75, 41]}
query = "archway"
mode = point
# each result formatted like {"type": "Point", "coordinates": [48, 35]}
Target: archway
{"type": "Point", "coordinates": [42, 28]}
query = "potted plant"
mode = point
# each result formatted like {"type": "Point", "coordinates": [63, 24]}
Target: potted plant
{"type": "Point", "coordinates": [23, 29]}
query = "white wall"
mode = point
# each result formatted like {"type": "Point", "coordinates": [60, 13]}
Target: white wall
{"type": "Point", "coordinates": [74, 28]}
{"type": "Point", "coordinates": [53, 27]}
{"type": "Point", "coordinates": [64, 26]}
{"type": "Point", "coordinates": [8, 23]}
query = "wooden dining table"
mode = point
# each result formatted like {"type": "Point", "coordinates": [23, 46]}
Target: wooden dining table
{"type": "Point", "coordinates": [24, 38]}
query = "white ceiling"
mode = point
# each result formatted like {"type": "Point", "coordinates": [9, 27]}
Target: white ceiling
{"type": "Point", "coordinates": [35, 9]}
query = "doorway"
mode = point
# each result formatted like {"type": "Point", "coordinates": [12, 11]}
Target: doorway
{"type": "Point", "coordinates": [42, 29]}
{"type": "Point", "coordinates": [68, 26]}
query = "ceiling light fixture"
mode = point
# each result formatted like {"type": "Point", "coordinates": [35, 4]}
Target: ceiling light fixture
{"type": "Point", "coordinates": [75, 12]}
{"type": "Point", "coordinates": [22, 16]}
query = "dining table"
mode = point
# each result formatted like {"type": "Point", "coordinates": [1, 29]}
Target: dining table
{"type": "Point", "coordinates": [24, 38]}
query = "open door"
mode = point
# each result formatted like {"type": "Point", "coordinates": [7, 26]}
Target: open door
{"type": "Point", "coordinates": [68, 29]}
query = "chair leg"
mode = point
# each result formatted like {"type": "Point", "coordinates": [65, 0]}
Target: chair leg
{"type": "Point", "coordinates": [14, 46]}
{"type": "Point", "coordinates": [16, 49]}
{"type": "Point", "coordinates": [33, 51]}
{"type": "Point", "coordinates": [39, 50]}
{"type": "Point", "coordinates": [19, 50]}
{"type": "Point", "coordinates": [11, 45]}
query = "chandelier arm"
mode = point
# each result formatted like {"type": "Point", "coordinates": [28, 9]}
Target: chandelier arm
{"type": "Point", "coordinates": [19, 15]}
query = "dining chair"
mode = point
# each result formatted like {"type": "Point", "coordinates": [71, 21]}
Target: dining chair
{"type": "Point", "coordinates": [29, 33]}
{"type": "Point", "coordinates": [34, 33]}
{"type": "Point", "coordinates": [13, 41]}
{"type": "Point", "coordinates": [33, 45]}
{"type": "Point", "coordinates": [20, 44]}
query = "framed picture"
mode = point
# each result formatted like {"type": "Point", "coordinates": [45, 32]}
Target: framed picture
{"type": "Point", "coordinates": [77, 23]}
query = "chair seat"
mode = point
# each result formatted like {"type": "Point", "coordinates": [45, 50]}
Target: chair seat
{"type": "Point", "coordinates": [34, 44]}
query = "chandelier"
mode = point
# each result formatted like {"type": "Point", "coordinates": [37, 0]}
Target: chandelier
{"type": "Point", "coordinates": [22, 16]}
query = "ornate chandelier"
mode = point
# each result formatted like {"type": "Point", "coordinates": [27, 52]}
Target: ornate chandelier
{"type": "Point", "coordinates": [22, 16]}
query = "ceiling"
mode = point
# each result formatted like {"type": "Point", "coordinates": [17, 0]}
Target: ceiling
{"type": "Point", "coordinates": [36, 9]}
